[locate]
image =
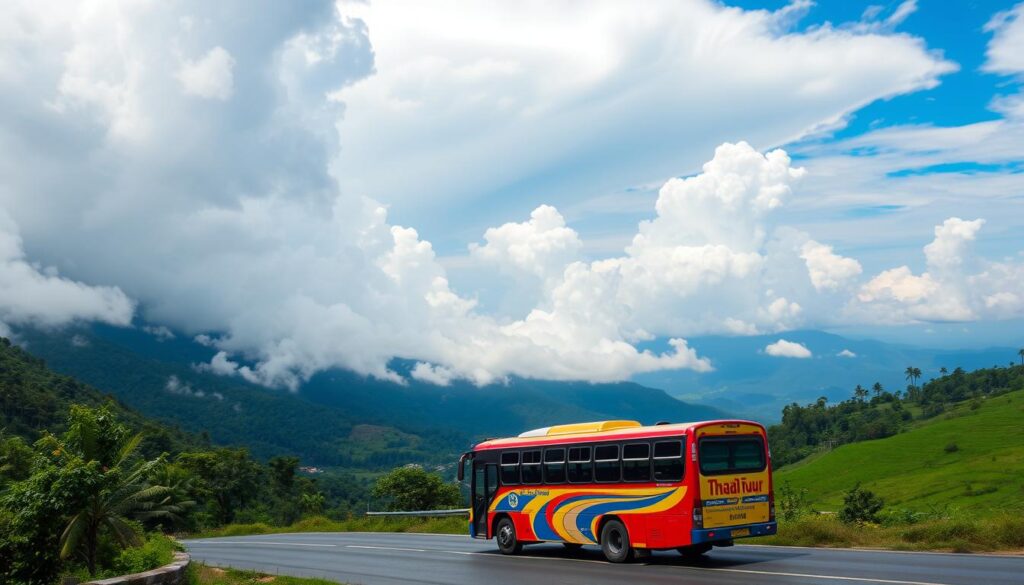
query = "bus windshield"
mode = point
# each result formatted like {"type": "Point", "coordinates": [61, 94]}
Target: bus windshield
{"type": "Point", "coordinates": [731, 455]}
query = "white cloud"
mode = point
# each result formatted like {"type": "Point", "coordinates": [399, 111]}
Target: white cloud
{"type": "Point", "coordinates": [957, 286]}
{"type": "Point", "coordinates": [230, 223]}
{"type": "Point", "coordinates": [542, 246]}
{"type": "Point", "coordinates": [34, 295]}
{"type": "Point", "coordinates": [161, 332]}
{"type": "Point", "coordinates": [438, 375]}
{"type": "Point", "coordinates": [1005, 53]}
{"type": "Point", "coordinates": [209, 77]}
{"type": "Point", "coordinates": [512, 93]}
{"type": "Point", "coordinates": [846, 354]}
{"type": "Point", "coordinates": [787, 349]}
{"type": "Point", "coordinates": [827, 269]}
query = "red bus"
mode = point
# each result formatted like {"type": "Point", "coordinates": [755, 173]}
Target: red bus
{"type": "Point", "coordinates": [628, 488]}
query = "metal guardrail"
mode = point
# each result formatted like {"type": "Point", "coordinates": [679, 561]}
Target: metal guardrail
{"type": "Point", "coordinates": [459, 512]}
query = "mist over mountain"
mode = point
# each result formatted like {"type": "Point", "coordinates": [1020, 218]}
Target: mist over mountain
{"type": "Point", "coordinates": [338, 418]}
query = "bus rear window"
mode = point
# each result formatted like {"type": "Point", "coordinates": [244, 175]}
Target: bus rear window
{"type": "Point", "coordinates": [731, 455]}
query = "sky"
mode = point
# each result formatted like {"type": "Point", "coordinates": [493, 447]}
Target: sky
{"type": "Point", "coordinates": [490, 189]}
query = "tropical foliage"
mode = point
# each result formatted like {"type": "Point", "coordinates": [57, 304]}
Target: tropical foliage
{"type": "Point", "coordinates": [879, 413]}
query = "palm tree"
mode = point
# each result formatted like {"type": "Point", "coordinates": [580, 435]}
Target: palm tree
{"type": "Point", "coordinates": [860, 393]}
{"type": "Point", "coordinates": [877, 388]}
{"type": "Point", "coordinates": [1020, 352]}
{"type": "Point", "coordinates": [943, 370]}
{"type": "Point", "coordinates": [121, 492]}
{"type": "Point", "coordinates": [912, 374]}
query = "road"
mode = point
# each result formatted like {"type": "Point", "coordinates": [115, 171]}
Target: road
{"type": "Point", "coordinates": [390, 558]}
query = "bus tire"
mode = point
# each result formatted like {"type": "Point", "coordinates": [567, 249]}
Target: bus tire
{"type": "Point", "coordinates": [572, 547]}
{"type": "Point", "coordinates": [615, 542]}
{"type": "Point", "coordinates": [505, 534]}
{"type": "Point", "coordinates": [694, 551]}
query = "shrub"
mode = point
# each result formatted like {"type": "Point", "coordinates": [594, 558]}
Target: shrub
{"type": "Point", "coordinates": [951, 448]}
{"type": "Point", "coordinates": [860, 505]}
{"type": "Point", "coordinates": [792, 502]}
{"type": "Point", "coordinates": [156, 551]}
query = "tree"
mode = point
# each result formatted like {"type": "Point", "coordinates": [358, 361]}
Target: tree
{"type": "Point", "coordinates": [878, 389]}
{"type": "Point", "coordinates": [943, 370]}
{"type": "Point", "coordinates": [413, 488]}
{"type": "Point", "coordinates": [1020, 352]}
{"type": "Point", "coordinates": [912, 374]}
{"type": "Point", "coordinates": [860, 506]}
{"type": "Point", "coordinates": [859, 393]}
{"type": "Point", "coordinates": [312, 503]}
{"type": "Point", "coordinates": [117, 492]}
{"type": "Point", "coordinates": [15, 459]}
{"type": "Point", "coordinates": [229, 476]}
{"type": "Point", "coordinates": [282, 472]}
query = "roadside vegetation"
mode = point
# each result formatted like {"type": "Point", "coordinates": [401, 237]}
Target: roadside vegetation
{"type": "Point", "coordinates": [199, 574]}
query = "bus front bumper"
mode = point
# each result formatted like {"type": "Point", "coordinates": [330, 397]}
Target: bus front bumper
{"type": "Point", "coordinates": [731, 532]}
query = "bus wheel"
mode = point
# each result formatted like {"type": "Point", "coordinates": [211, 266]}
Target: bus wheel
{"type": "Point", "coordinates": [694, 551]}
{"type": "Point", "coordinates": [615, 542]}
{"type": "Point", "coordinates": [572, 547]}
{"type": "Point", "coordinates": [508, 544]}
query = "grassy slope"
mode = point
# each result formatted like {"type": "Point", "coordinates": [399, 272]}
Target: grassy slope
{"type": "Point", "coordinates": [912, 470]}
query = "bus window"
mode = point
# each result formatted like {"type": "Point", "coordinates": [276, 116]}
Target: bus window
{"type": "Point", "coordinates": [732, 455]}
{"type": "Point", "coordinates": [581, 470]}
{"type": "Point", "coordinates": [606, 463]}
{"type": "Point", "coordinates": [554, 465]}
{"type": "Point", "coordinates": [531, 467]}
{"type": "Point", "coordinates": [510, 468]}
{"type": "Point", "coordinates": [636, 462]}
{"type": "Point", "coordinates": [668, 461]}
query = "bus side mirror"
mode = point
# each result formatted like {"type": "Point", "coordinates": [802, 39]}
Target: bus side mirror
{"type": "Point", "coordinates": [462, 467]}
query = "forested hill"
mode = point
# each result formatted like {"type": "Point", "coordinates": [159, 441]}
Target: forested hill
{"type": "Point", "coordinates": [875, 412]}
{"type": "Point", "coordinates": [338, 418]}
{"type": "Point", "coordinates": [34, 399]}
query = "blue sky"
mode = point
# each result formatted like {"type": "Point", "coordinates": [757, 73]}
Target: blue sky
{"type": "Point", "coordinates": [493, 189]}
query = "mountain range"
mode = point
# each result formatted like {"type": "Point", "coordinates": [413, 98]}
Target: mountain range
{"type": "Point", "coordinates": [342, 419]}
{"type": "Point", "coordinates": [338, 418]}
{"type": "Point", "coordinates": [750, 382]}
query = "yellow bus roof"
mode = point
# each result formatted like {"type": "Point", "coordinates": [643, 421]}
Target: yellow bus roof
{"type": "Point", "coordinates": [603, 430]}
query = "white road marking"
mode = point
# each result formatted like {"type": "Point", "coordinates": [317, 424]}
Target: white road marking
{"type": "Point", "coordinates": [389, 548]}
{"type": "Point", "coordinates": [812, 576]}
{"type": "Point", "coordinates": [527, 557]}
{"type": "Point", "coordinates": [260, 543]}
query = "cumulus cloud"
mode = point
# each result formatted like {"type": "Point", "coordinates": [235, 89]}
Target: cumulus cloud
{"type": "Point", "coordinates": [209, 77]}
{"type": "Point", "coordinates": [827, 269]}
{"type": "Point", "coordinates": [244, 224]}
{"type": "Point", "coordinates": [787, 349]}
{"type": "Point", "coordinates": [846, 354]}
{"type": "Point", "coordinates": [542, 246]}
{"type": "Point", "coordinates": [35, 295]}
{"type": "Point", "coordinates": [957, 285]}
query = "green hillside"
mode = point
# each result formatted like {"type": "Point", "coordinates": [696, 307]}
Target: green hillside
{"type": "Point", "coordinates": [970, 458]}
{"type": "Point", "coordinates": [34, 399]}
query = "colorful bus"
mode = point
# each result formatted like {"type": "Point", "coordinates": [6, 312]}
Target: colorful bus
{"type": "Point", "coordinates": [628, 488]}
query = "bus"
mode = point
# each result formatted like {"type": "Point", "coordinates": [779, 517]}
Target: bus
{"type": "Point", "coordinates": [628, 488]}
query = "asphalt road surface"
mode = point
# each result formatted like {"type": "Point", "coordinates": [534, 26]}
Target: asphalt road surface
{"type": "Point", "coordinates": [389, 558]}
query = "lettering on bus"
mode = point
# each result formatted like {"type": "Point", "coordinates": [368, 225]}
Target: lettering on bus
{"type": "Point", "coordinates": [739, 485]}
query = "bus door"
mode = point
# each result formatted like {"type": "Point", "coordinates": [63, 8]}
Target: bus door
{"type": "Point", "coordinates": [485, 485]}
